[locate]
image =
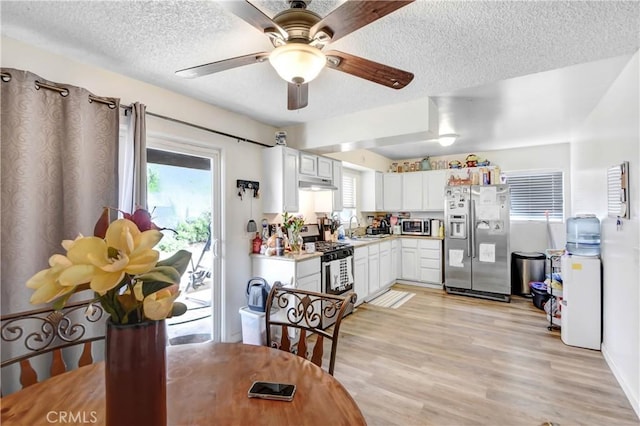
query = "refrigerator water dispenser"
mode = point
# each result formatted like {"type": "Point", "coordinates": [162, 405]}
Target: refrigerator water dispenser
{"type": "Point", "coordinates": [458, 226]}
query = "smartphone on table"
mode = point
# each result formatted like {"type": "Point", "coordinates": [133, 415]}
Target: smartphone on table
{"type": "Point", "coordinates": [270, 390]}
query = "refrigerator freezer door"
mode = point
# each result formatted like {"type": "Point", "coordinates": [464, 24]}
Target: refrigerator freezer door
{"type": "Point", "coordinates": [457, 244]}
{"type": "Point", "coordinates": [490, 238]}
{"type": "Point", "coordinates": [457, 264]}
{"type": "Point", "coordinates": [581, 307]}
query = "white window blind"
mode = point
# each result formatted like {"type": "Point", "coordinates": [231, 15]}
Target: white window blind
{"type": "Point", "coordinates": [613, 191]}
{"type": "Point", "coordinates": [348, 191]}
{"type": "Point", "coordinates": [535, 193]}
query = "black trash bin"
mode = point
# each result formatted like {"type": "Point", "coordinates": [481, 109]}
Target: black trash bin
{"type": "Point", "coordinates": [526, 267]}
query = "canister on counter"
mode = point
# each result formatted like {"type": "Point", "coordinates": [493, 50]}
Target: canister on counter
{"type": "Point", "coordinates": [279, 246]}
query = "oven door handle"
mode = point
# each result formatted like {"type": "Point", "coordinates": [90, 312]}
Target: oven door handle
{"type": "Point", "coordinates": [326, 277]}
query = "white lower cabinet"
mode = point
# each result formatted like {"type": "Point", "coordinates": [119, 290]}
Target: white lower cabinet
{"type": "Point", "coordinates": [430, 261]}
{"type": "Point", "coordinates": [421, 260]}
{"type": "Point", "coordinates": [385, 264]}
{"type": "Point", "coordinates": [409, 259]}
{"type": "Point", "coordinates": [374, 268]}
{"type": "Point", "coordinates": [361, 273]}
{"type": "Point", "coordinates": [310, 282]}
{"type": "Point", "coordinates": [305, 274]}
{"type": "Point", "coordinates": [395, 259]}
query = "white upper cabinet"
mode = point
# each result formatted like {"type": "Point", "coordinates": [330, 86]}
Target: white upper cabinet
{"type": "Point", "coordinates": [325, 169]}
{"type": "Point", "coordinates": [433, 184]}
{"type": "Point", "coordinates": [308, 164]}
{"type": "Point", "coordinates": [372, 191]}
{"type": "Point", "coordinates": [392, 191]}
{"type": "Point", "coordinates": [280, 187]}
{"type": "Point", "coordinates": [314, 165]}
{"type": "Point", "coordinates": [336, 176]}
{"type": "Point", "coordinates": [412, 191]}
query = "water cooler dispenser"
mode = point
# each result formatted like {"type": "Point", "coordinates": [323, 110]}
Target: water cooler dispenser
{"type": "Point", "coordinates": [581, 322]}
{"type": "Point", "coordinates": [583, 235]}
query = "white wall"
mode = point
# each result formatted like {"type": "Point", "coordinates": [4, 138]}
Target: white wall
{"type": "Point", "coordinates": [609, 136]}
{"type": "Point", "coordinates": [364, 158]}
{"type": "Point", "coordinates": [239, 160]}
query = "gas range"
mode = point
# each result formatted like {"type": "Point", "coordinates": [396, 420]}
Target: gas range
{"type": "Point", "coordinates": [330, 250]}
{"type": "Point", "coordinates": [336, 267]}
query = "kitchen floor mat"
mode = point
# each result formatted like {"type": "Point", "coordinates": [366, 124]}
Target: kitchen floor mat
{"type": "Point", "coordinates": [392, 299]}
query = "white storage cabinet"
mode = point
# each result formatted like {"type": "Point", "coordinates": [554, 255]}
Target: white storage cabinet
{"type": "Point", "coordinates": [392, 191]}
{"type": "Point", "coordinates": [306, 273]}
{"type": "Point", "coordinates": [371, 188]}
{"type": "Point", "coordinates": [361, 273]}
{"type": "Point", "coordinates": [374, 268]}
{"type": "Point", "coordinates": [280, 187]}
{"type": "Point", "coordinates": [581, 306]}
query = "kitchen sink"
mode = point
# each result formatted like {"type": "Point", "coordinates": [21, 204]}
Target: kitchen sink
{"type": "Point", "coordinates": [371, 237]}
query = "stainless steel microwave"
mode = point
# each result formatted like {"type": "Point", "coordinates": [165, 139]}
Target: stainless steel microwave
{"type": "Point", "coordinates": [416, 227]}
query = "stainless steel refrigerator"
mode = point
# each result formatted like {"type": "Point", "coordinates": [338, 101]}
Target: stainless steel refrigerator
{"type": "Point", "coordinates": [477, 241]}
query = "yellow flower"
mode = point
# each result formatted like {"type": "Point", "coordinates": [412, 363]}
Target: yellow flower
{"type": "Point", "coordinates": [158, 305]}
{"type": "Point", "coordinates": [125, 250]}
{"type": "Point", "coordinates": [46, 282]}
{"type": "Point", "coordinates": [119, 264]}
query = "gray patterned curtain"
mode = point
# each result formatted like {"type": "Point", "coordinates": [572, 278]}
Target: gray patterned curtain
{"type": "Point", "coordinates": [59, 157]}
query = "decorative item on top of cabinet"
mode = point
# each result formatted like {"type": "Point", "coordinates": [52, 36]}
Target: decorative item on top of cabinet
{"type": "Point", "coordinates": [281, 138]}
{"type": "Point", "coordinates": [425, 164]}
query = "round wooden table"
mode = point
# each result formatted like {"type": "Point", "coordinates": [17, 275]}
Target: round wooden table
{"type": "Point", "coordinates": [207, 384]}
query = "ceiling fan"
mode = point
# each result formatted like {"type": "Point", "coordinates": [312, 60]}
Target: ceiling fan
{"type": "Point", "coordinates": [299, 35]}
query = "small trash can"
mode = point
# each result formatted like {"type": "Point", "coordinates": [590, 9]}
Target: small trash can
{"type": "Point", "coordinates": [254, 329]}
{"type": "Point", "coordinates": [539, 293]}
{"type": "Point", "coordinates": [525, 268]}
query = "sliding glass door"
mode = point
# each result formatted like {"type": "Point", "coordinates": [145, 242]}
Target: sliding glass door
{"type": "Point", "coordinates": [182, 187]}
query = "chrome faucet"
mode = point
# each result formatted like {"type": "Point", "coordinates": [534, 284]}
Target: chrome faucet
{"type": "Point", "coordinates": [357, 225]}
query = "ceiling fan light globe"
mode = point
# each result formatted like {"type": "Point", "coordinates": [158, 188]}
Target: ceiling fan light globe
{"type": "Point", "coordinates": [297, 63]}
{"type": "Point", "coordinates": [447, 140]}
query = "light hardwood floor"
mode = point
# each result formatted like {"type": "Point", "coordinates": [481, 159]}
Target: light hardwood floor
{"type": "Point", "coordinates": [454, 360]}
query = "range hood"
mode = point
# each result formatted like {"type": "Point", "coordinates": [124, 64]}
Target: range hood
{"type": "Point", "coordinates": [311, 183]}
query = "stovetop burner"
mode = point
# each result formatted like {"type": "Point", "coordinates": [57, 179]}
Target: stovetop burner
{"type": "Point", "coordinates": [327, 246]}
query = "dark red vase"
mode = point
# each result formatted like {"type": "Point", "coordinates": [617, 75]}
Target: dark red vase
{"type": "Point", "coordinates": [136, 374]}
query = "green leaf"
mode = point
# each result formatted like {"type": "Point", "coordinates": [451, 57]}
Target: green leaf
{"type": "Point", "coordinates": [179, 308]}
{"type": "Point", "coordinates": [151, 287]}
{"type": "Point", "coordinates": [179, 261]}
{"type": "Point", "coordinates": [165, 274]}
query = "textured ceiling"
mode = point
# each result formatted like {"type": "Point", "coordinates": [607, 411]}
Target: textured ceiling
{"type": "Point", "coordinates": [449, 46]}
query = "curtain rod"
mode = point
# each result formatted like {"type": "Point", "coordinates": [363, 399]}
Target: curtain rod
{"type": "Point", "coordinates": [206, 129]}
{"type": "Point", "coordinates": [6, 77]}
{"type": "Point", "coordinates": [64, 92]}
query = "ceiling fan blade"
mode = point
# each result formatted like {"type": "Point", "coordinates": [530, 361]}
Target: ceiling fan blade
{"type": "Point", "coordinates": [364, 68]}
{"type": "Point", "coordinates": [225, 64]}
{"type": "Point", "coordinates": [355, 14]}
{"type": "Point", "coordinates": [248, 12]}
{"type": "Point", "coordinates": [297, 96]}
